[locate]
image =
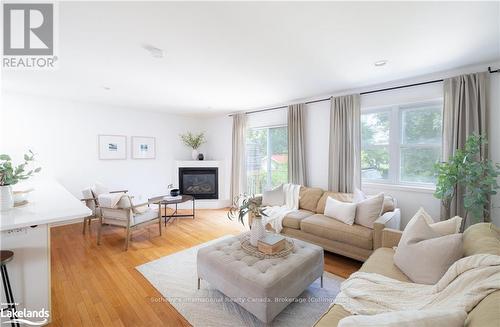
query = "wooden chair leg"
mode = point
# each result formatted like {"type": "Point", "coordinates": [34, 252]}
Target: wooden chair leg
{"type": "Point", "coordinates": [84, 225]}
{"type": "Point", "coordinates": [127, 238]}
{"type": "Point", "coordinates": [99, 231]}
{"type": "Point", "coordinates": [159, 224]}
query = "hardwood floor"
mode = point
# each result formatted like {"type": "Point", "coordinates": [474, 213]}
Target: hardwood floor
{"type": "Point", "coordinates": [99, 286]}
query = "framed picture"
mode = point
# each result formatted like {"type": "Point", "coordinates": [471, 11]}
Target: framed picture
{"type": "Point", "coordinates": [112, 147]}
{"type": "Point", "coordinates": [143, 147]}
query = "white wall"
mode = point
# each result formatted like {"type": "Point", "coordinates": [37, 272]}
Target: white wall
{"type": "Point", "coordinates": [64, 135]}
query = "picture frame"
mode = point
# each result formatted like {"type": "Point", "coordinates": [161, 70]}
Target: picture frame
{"type": "Point", "coordinates": [143, 147]}
{"type": "Point", "coordinates": [112, 147]}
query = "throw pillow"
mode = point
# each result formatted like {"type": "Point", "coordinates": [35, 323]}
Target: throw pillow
{"type": "Point", "coordinates": [99, 189]}
{"type": "Point", "coordinates": [423, 254]}
{"type": "Point", "coordinates": [342, 211]}
{"type": "Point", "coordinates": [358, 195]}
{"type": "Point", "coordinates": [445, 227]}
{"type": "Point", "coordinates": [369, 210]}
{"type": "Point", "coordinates": [275, 197]}
{"type": "Point", "coordinates": [411, 318]}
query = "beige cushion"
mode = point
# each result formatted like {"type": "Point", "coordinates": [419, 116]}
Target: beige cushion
{"type": "Point", "coordinates": [342, 211]}
{"type": "Point", "coordinates": [482, 238]}
{"type": "Point", "coordinates": [410, 318]}
{"type": "Point", "coordinates": [309, 197]}
{"type": "Point", "coordinates": [423, 254]}
{"type": "Point", "coordinates": [344, 197]}
{"type": "Point", "coordinates": [294, 218]}
{"type": "Point", "coordinates": [323, 226]}
{"type": "Point", "coordinates": [369, 210]}
{"type": "Point", "coordinates": [445, 227]}
{"type": "Point", "coordinates": [389, 204]}
{"type": "Point", "coordinates": [275, 197]}
{"type": "Point", "coordinates": [99, 189]}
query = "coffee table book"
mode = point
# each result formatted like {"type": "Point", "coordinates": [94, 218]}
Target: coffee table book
{"type": "Point", "coordinates": [271, 243]}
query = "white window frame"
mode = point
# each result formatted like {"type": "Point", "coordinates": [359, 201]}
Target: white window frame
{"type": "Point", "coordinates": [269, 170]}
{"type": "Point", "coordinates": [395, 141]}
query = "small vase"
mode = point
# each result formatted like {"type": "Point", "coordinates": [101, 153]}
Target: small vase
{"type": "Point", "coordinates": [194, 154]}
{"type": "Point", "coordinates": [258, 231]}
{"type": "Point", "coordinates": [6, 198]}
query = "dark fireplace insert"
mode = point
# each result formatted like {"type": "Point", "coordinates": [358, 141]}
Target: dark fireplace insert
{"type": "Point", "coordinates": [202, 183]}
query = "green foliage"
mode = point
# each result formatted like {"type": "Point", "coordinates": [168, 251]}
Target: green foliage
{"type": "Point", "coordinates": [193, 141]}
{"type": "Point", "coordinates": [257, 148]}
{"type": "Point", "coordinates": [478, 176]}
{"type": "Point", "coordinates": [243, 205]}
{"type": "Point", "coordinates": [10, 175]}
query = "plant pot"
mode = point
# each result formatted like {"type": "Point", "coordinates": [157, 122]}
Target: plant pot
{"type": "Point", "coordinates": [6, 199]}
{"type": "Point", "coordinates": [194, 154]}
{"type": "Point", "coordinates": [257, 231]}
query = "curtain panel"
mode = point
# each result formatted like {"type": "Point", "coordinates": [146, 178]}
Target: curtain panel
{"type": "Point", "coordinates": [296, 145]}
{"type": "Point", "coordinates": [344, 168]}
{"type": "Point", "coordinates": [238, 162]}
{"type": "Point", "coordinates": [464, 113]}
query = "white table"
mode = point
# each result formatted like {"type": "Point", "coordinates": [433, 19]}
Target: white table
{"type": "Point", "coordinates": [25, 230]}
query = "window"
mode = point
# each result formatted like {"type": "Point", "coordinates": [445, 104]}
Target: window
{"type": "Point", "coordinates": [267, 158]}
{"type": "Point", "coordinates": [401, 144]}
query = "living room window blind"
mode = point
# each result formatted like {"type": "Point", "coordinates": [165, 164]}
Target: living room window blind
{"type": "Point", "coordinates": [400, 144]}
{"type": "Point", "coordinates": [267, 158]}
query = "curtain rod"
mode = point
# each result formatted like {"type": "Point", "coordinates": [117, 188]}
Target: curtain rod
{"type": "Point", "coordinates": [363, 93]}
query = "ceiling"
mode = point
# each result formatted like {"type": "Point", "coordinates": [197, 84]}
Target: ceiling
{"type": "Point", "coordinates": [231, 56]}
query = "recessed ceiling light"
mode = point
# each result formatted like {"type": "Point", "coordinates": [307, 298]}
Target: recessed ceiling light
{"type": "Point", "coordinates": [107, 88]}
{"type": "Point", "coordinates": [380, 63]}
{"type": "Point", "coordinates": [153, 51]}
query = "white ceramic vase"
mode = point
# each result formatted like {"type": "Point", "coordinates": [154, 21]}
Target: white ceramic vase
{"type": "Point", "coordinates": [194, 154]}
{"type": "Point", "coordinates": [6, 198]}
{"type": "Point", "coordinates": [257, 232]}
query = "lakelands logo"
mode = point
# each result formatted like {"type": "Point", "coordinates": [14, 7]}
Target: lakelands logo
{"type": "Point", "coordinates": [26, 317]}
{"type": "Point", "coordinates": [28, 36]}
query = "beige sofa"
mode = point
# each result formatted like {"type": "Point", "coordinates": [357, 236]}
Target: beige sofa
{"type": "Point", "coordinates": [354, 241]}
{"type": "Point", "coordinates": [479, 238]}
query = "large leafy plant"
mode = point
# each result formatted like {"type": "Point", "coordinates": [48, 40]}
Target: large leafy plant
{"type": "Point", "coordinates": [243, 205]}
{"type": "Point", "coordinates": [476, 174]}
{"type": "Point", "coordinates": [10, 174]}
{"type": "Point", "coordinates": [193, 141]}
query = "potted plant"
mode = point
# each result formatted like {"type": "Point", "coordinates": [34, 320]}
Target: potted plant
{"type": "Point", "coordinates": [193, 141]}
{"type": "Point", "coordinates": [10, 175]}
{"type": "Point", "coordinates": [246, 205]}
{"type": "Point", "coordinates": [476, 174]}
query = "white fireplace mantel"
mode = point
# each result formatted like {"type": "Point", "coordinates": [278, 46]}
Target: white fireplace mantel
{"type": "Point", "coordinates": [205, 204]}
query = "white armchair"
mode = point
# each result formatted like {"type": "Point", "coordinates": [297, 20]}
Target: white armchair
{"type": "Point", "coordinates": [127, 215]}
{"type": "Point", "coordinates": [90, 198]}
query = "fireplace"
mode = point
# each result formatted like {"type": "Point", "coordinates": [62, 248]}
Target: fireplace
{"type": "Point", "coordinates": [202, 183]}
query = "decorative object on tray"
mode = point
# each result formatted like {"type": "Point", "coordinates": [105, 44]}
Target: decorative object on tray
{"type": "Point", "coordinates": [201, 156]}
{"type": "Point", "coordinates": [248, 248]}
{"type": "Point", "coordinates": [271, 243]}
{"type": "Point", "coordinates": [143, 147]}
{"type": "Point", "coordinates": [244, 205]}
{"type": "Point", "coordinates": [193, 141]}
{"type": "Point", "coordinates": [10, 175]}
{"type": "Point", "coordinates": [175, 192]}
{"type": "Point", "coordinates": [112, 147]}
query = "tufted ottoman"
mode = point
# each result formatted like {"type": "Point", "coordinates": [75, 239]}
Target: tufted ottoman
{"type": "Point", "coordinates": [264, 287]}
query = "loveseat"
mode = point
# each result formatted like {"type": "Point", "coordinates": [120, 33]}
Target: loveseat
{"type": "Point", "coordinates": [477, 239]}
{"type": "Point", "coordinates": [355, 241]}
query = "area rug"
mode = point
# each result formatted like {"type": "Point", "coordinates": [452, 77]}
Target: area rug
{"type": "Point", "coordinates": [174, 276]}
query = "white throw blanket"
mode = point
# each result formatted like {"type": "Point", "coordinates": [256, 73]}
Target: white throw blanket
{"type": "Point", "coordinates": [276, 214]}
{"type": "Point", "coordinates": [109, 200]}
{"type": "Point", "coordinates": [464, 285]}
